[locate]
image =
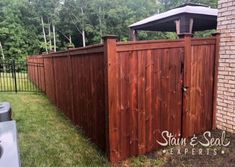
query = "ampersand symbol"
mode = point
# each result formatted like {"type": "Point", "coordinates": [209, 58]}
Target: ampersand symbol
{"type": "Point", "coordinates": [193, 141]}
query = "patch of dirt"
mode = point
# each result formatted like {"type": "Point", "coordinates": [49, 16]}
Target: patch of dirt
{"type": "Point", "coordinates": [215, 156]}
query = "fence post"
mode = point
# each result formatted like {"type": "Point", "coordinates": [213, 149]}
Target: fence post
{"type": "Point", "coordinates": [14, 74]}
{"type": "Point", "coordinates": [216, 66]}
{"type": "Point", "coordinates": [110, 60]}
{"type": "Point", "coordinates": [185, 119]}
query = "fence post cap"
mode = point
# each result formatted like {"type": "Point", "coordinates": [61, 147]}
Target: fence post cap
{"type": "Point", "coordinates": [110, 37]}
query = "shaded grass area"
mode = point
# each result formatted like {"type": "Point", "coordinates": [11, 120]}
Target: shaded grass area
{"type": "Point", "coordinates": [48, 139]}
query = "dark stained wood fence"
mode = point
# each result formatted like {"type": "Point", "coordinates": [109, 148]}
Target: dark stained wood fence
{"type": "Point", "coordinates": [123, 95]}
{"type": "Point", "coordinates": [74, 82]}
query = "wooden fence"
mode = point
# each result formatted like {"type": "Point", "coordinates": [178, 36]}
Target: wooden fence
{"type": "Point", "coordinates": [123, 95]}
{"type": "Point", "coordinates": [74, 81]}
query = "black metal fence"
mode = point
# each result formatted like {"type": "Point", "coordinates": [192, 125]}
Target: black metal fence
{"type": "Point", "coordinates": [14, 76]}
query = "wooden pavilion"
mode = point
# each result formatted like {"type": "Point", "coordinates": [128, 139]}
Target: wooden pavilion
{"type": "Point", "coordinates": [184, 19]}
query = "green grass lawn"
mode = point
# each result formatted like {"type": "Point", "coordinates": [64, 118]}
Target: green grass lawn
{"type": "Point", "coordinates": [48, 139]}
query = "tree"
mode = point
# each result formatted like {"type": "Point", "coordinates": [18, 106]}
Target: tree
{"type": "Point", "coordinates": [16, 37]}
{"type": "Point", "coordinates": [73, 15]}
{"type": "Point", "coordinates": [169, 4]}
{"type": "Point", "coordinates": [47, 11]}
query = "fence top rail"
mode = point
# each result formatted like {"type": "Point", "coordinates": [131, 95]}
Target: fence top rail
{"type": "Point", "coordinates": [98, 48]}
{"type": "Point", "coordinates": [163, 41]}
{"type": "Point", "coordinates": [35, 63]}
{"type": "Point", "coordinates": [150, 41]}
{"type": "Point", "coordinates": [34, 57]}
{"type": "Point", "coordinates": [204, 41]}
{"type": "Point", "coordinates": [160, 44]}
{"type": "Point", "coordinates": [87, 47]}
{"type": "Point", "coordinates": [149, 45]}
{"type": "Point", "coordinates": [74, 51]}
{"type": "Point", "coordinates": [57, 54]}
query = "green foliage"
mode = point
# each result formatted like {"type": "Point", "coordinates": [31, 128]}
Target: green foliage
{"type": "Point", "coordinates": [168, 4]}
{"type": "Point", "coordinates": [207, 33]}
{"type": "Point", "coordinates": [21, 29]}
{"type": "Point", "coordinates": [117, 16]}
{"type": "Point", "coordinates": [17, 37]}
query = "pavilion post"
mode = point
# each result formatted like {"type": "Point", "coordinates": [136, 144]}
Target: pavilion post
{"type": "Point", "coordinates": [191, 25]}
{"type": "Point", "coordinates": [177, 24]}
{"type": "Point", "coordinates": [184, 25]}
{"type": "Point", "coordinates": [133, 34]}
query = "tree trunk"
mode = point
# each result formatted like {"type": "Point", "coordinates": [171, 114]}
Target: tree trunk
{"type": "Point", "coordinates": [44, 35]}
{"type": "Point", "coordinates": [54, 37]}
{"type": "Point", "coordinates": [83, 38]}
{"type": "Point", "coordinates": [49, 34]}
{"type": "Point", "coordinates": [70, 39]}
{"type": "Point", "coordinates": [3, 57]}
{"type": "Point", "coordinates": [100, 22]}
{"type": "Point", "coordinates": [83, 31]}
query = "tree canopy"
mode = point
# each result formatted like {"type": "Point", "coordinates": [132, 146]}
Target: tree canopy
{"type": "Point", "coordinates": [22, 22]}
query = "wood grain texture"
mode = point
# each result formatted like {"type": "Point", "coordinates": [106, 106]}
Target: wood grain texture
{"type": "Point", "coordinates": [199, 78]}
{"type": "Point", "coordinates": [149, 96]}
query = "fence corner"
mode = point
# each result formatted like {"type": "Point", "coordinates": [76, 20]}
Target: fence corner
{"type": "Point", "coordinates": [217, 55]}
{"type": "Point", "coordinates": [110, 72]}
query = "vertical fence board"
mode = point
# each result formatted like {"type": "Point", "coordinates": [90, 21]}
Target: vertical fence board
{"type": "Point", "coordinates": [149, 100]}
{"type": "Point", "coordinates": [133, 96]}
{"type": "Point", "coordinates": [141, 101]}
{"type": "Point", "coordinates": [187, 115]}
